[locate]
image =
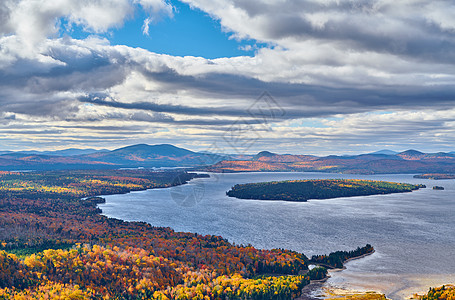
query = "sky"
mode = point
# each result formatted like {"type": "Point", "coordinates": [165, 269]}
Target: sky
{"type": "Point", "coordinates": [228, 76]}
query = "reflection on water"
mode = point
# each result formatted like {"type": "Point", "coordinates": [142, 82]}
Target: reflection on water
{"type": "Point", "coordinates": [413, 233]}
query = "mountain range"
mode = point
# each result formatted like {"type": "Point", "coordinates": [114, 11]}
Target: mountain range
{"type": "Point", "coordinates": [381, 162]}
{"type": "Point", "coordinates": [141, 155]}
{"type": "Point", "coordinates": [165, 155]}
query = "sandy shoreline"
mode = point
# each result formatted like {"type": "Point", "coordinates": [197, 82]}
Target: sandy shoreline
{"type": "Point", "coordinates": [314, 290]}
{"type": "Point", "coordinates": [355, 284]}
{"type": "Point", "coordinates": [309, 291]}
{"type": "Point", "coordinates": [394, 286]}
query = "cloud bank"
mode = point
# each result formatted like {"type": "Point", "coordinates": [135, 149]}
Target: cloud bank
{"type": "Point", "coordinates": [334, 67]}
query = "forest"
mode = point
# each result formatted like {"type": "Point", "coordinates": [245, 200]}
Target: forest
{"type": "Point", "coordinates": [435, 176]}
{"type": "Point", "coordinates": [445, 292]}
{"type": "Point", "coordinates": [303, 190]}
{"type": "Point", "coordinates": [54, 243]}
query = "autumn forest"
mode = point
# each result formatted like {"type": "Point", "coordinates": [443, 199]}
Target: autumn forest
{"type": "Point", "coordinates": [55, 242]}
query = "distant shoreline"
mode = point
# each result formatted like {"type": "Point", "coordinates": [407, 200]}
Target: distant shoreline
{"type": "Point", "coordinates": [435, 176]}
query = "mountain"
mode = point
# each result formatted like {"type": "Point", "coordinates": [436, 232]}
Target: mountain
{"type": "Point", "coordinates": [411, 154]}
{"type": "Point", "coordinates": [263, 154]}
{"type": "Point", "coordinates": [141, 155]}
{"type": "Point", "coordinates": [23, 161]}
{"type": "Point", "coordinates": [153, 150]}
{"type": "Point", "coordinates": [381, 162]}
{"type": "Point", "coordinates": [65, 152]}
{"type": "Point", "coordinates": [385, 152]}
{"type": "Point", "coordinates": [165, 155]}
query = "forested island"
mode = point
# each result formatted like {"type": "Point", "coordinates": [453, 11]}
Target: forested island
{"type": "Point", "coordinates": [303, 190]}
{"type": "Point", "coordinates": [55, 244]}
{"type": "Point", "coordinates": [435, 176]}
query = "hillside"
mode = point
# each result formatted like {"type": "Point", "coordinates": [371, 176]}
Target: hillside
{"type": "Point", "coordinates": [407, 162]}
{"type": "Point", "coordinates": [165, 155]}
{"type": "Point", "coordinates": [141, 155]}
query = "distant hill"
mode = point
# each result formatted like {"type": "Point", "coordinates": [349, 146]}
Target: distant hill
{"type": "Point", "coordinates": [141, 155]}
{"type": "Point", "coordinates": [263, 154]}
{"type": "Point", "coordinates": [165, 155]}
{"type": "Point", "coordinates": [381, 162]}
{"type": "Point", "coordinates": [385, 152]}
{"type": "Point", "coordinates": [23, 161]}
{"type": "Point", "coordinates": [65, 152]}
{"type": "Point", "coordinates": [152, 155]}
{"type": "Point", "coordinates": [411, 154]}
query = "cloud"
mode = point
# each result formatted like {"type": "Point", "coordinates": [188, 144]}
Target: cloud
{"type": "Point", "coordinates": [157, 9]}
{"type": "Point", "coordinates": [325, 59]}
{"type": "Point", "coordinates": [35, 20]}
{"type": "Point", "coordinates": [32, 21]}
{"type": "Point", "coordinates": [145, 27]}
{"type": "Point", "coordinates": [401, 27]}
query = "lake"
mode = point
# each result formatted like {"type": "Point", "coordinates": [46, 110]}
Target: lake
{"type": "Point", "coordinates": [413, 233]}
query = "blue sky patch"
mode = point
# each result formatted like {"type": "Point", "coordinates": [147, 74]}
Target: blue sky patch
{"type": "Point", "coordinates": [190, 32]}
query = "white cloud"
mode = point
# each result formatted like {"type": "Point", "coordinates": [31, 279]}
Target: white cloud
{"type": "Point", "coordinates": [35, 20]}
{"type": "Point", "coordinates": [328, 57]}
{"type": "Point", "coordinates": [145, 26]}
{"type": "Point", "coordinates": [156, 7]}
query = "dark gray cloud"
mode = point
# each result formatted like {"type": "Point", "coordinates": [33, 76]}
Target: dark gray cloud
{"type": "Point", "coordinates": [331, 59]}
{"type": "Point", "coordinates": [422, 29]}
{"type": "Point", "coordinates": [103, 100]}
{"type": "Point", "coordinates": [300, 100]}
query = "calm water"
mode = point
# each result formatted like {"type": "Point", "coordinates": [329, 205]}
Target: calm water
{"type": "Point", "coordinates": [413, 233]}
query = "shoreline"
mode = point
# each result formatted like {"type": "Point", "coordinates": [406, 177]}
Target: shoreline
{"type": "Point", "coordinates": [332, 269]}
{"type": "Point", "coordinates": [357, 257]}
{"type": "Point", "coordinates": [315, 285]}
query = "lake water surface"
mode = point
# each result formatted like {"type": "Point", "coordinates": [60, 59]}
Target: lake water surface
{"type": "Point", "coordinates": [413, 233]}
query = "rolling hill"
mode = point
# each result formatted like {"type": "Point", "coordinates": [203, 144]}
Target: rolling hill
{"type": "Point", "coordinates": [141, 155]}
{"type": "Point", "coordinates": [406, 162]}
{"type": "Point", "coordinates": [165, 155]}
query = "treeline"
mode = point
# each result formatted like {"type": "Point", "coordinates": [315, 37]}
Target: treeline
{"type": "Point", "coordinates": [338, 258]}
{"type": "Point", "coordinates": [435, 176]}
{"type": "Point", "coordinates": [303, 190]}
{"type": "Point", "coordinates": [317, 273]}
{"type": "Point", "coordinates": [445, 292]}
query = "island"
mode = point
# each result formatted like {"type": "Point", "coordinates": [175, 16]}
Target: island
{"type": "Point", "coordinates": [438, 188]}
{"type": "Point", "coordinates": [435, 176]}
{"type": "Point", "coordinates": [303, 190]}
